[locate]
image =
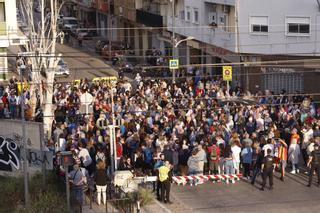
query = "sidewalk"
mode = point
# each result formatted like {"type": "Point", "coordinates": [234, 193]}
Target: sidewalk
{"type": "Point", "coordinates": [155, 206]}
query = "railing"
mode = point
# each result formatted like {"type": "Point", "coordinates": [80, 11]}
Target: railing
{"type": "Point", "coordinates": [149, 19]}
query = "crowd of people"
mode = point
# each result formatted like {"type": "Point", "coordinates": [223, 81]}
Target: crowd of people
{"type": "Point", "coordinates": [194, 126]}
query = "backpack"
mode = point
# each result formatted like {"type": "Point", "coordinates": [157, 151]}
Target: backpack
{"type": "Point", "coordinates": [214, 153]}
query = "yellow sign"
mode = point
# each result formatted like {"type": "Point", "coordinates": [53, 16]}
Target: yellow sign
{"type": "Point", "coordinates": [174, 64]}
{"type": "Point", "coordinates": [227, 73]}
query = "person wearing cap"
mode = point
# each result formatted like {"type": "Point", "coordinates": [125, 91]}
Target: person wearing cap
{"type": "Point", "coordinates": [314, 164]}
{"type": "Point", "coordinates": [268, 166]}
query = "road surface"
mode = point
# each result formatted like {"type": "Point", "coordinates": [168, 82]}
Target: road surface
{"type": "Point", "coordinates": [83, 63]}
{"type": "Point", "coordinates": [289, 196]}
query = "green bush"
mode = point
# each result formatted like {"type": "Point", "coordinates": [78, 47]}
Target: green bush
{"type": "Point", "coordinates": [145, 196]}
{"type": "Point", "coordinates": [43, 198]}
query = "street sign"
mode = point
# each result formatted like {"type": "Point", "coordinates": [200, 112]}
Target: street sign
{"type": "Point", "coordinates": [174, 64]}
{"type": "Point", "coordinates": [227, 73]}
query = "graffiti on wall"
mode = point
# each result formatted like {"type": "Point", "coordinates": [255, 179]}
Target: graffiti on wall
{"type": "Point", "coordinates": [9, 154]}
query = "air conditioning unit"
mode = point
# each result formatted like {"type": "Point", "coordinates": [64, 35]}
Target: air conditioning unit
{"type": "Point", "coordinates": [226, 8]}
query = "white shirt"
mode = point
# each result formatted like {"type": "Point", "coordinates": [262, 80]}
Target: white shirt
{"type": "Point", "coordinates": [266, 147]}
{"type": "Point", "coordinates": [236, 153]}
{"type": "Point", "coordinates": [307, 135]}
{"type": "Point", "coordinates": [84, 154]}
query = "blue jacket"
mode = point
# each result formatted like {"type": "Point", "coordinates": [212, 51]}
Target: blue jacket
{"type": "Point", "coordinates": [246, 155]}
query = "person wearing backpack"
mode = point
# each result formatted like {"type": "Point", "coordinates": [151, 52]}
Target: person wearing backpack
{"type": "Point", "coordinates": [214, 153]}
{"type": "Point", "coordinates": [314, 164]}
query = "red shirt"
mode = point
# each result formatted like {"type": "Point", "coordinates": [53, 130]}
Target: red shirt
{"type": "Point", "coordinates": [210, 150]}
{"type": "Point", "coordinates": [119, 149]}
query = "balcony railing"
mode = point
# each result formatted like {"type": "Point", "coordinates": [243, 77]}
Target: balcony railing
{"type": "Point", "coordinates": [3, 28]}
{"type": "Point", "coordinates": [149, 19]}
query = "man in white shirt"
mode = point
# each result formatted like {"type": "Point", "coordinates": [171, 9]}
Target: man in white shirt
{"type": "Point", "coordinates": [307, 136]}
{"type": "Point", "coordinates": [84, 157]}
{"type": "Point", "coordinates": [267, 146]}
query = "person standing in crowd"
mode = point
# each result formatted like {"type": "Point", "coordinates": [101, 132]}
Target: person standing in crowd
{"type": "Point", "coordinates": [268, 166]}
{"type": "Point", "coordinates": [246, 155]}
{"type": "Point", "coordinates": [202, 159]}
{"type": "Point", "coordinates": [101, 181]}
{"type": "Point", "coordinates": [85, 157]}
{"type": "Point", "coordinates": [159, 162]}
{"type": "Point", "coordinates": [283, 157]}
{"type": "Point", "coordinates": [236, 151]}
{"type": "Point", "coordinates": [294, 153]}
{"type": "Point", "coordinates": [314, 164]}
{"type": "Point", "coordinates": [165, 177]}
{"type": "Point", "coordinates": [228, 163]}
{"type": "Point", "coordinates": [307, 132]}
{"type": "Point", "coordinates": [257, 165]}
{"type": "Point", "coordinates": [78, 180]}
{"type": "Point", "coordinates": [214, 153]}
{"type": "Point", "coordinates": [183, 160]}
{"type": "Point", "coordinates": [193, 165]}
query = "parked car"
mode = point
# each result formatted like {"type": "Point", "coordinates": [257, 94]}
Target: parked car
{"type": "Point", "coordinates": [99, 45]}
{"type": "Point", "coordinates": [117, 49]}
{"type": "Point", "coordinates": [70, 23]}
{"type": "Point", "coordinates": [62, 69]}
{"type": "Point", "coordinates": [85, 34]}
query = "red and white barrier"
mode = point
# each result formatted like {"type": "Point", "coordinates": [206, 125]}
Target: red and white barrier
{"type": "Point", "coordinates": [184, 179]}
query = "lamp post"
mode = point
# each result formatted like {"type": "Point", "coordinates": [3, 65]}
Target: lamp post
{"type": "Point", "coordinates": [24, 142]}
{"type": "Point", "coordinates": [173, 42]}
{"type": "Point", "coordinates": [175, 45]}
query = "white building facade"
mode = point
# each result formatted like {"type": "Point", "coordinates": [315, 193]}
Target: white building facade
{"type": "Point", "coordinates": [8, 33]}
{"type": "Point", "coordinates": [250, 31]}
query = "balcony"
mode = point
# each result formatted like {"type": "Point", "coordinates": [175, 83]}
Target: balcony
{"type": "Point", "coordinates": [3, 28]}
{"type": "Point", "coordinates": [211, 35]}
{"type": "Point", "coordinates": [223, 2]}
{"type": "Point", "coordinates": [149, 19]}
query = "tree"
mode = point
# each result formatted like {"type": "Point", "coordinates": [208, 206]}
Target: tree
{"type": "Point", "coordinates": [42, 35]}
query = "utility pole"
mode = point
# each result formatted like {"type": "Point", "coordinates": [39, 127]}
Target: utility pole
{"type": "Point", "coordinates": [173, 40]}
{"type": "Point", "coordinates": [112, 145]}
{"type": "Point", "coordinates": [24, 143]}
{"type": "Point", "coordinates": [109, 29]}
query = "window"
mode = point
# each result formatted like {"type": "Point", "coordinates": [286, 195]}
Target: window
{"type": "Point", "coordinates": [188, 14]}
{"type": "Point", "coordinates": [298, 26]}
{"type": "Point", "coordinates": [196, 16]}
{"type": "Point", "coordinates": [2, 12]}
{"type": "Point", "coordinates": [259, 24]}
{"type": "Point", "coordinates": [182, 15]}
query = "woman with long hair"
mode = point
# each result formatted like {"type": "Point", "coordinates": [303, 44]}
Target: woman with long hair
{"type": "Point", "coordinates": [101, 181]}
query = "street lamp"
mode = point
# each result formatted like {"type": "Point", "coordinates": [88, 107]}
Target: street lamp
{"type": "Point", "coordinates": [177, 43]}
{"type": "Point", "coordinates": [174, 41]}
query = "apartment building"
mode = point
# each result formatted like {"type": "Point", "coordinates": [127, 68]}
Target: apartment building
{"type": "Point", "coordinates": [8, 33]}
{"type": "Point", "coordinates": [253, 31]}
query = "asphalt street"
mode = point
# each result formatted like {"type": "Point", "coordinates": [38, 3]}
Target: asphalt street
{"type": "Point", "coordinates": [83, 63]}
{"type": "Point", "coordinates": [289, 196]}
